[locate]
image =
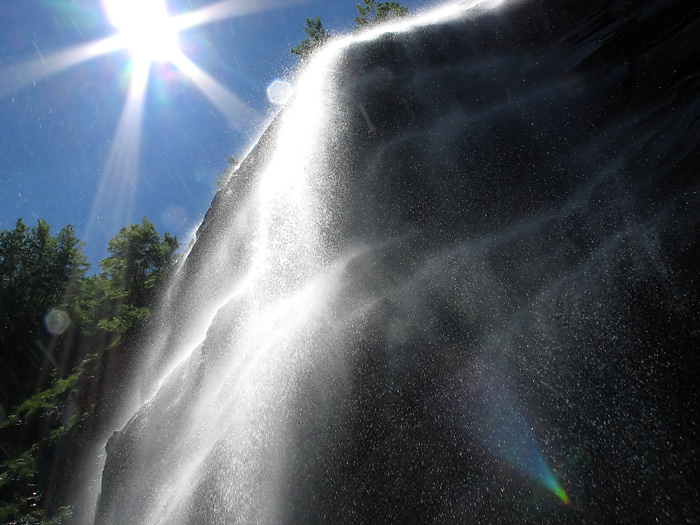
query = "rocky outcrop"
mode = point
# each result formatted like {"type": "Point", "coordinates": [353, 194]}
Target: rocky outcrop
{"type": "Point", "coordinates": [468, 292]}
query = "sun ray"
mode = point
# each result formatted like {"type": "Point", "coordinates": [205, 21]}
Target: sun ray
{"type": "Point", "coordinates": [227, 9]}
{"type": "Point", "coordinates": [15, 77]}
{"type": "Point", "coordinates": [238, 114]}
{"type": "Point", "coordinates": [119, 180]}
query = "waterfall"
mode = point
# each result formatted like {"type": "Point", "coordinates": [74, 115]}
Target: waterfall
{"type": "Point", "coordinates": [452, 282]}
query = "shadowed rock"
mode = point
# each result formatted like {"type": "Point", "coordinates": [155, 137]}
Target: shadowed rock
{"type": "Point", "coordinates": [474, 287]}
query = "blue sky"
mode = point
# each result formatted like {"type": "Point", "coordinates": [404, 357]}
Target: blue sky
{"type": "Point", "coordinates": [72, 150]}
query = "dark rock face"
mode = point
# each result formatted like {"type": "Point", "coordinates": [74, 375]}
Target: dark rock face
{"type": "Point", "coordinates": [498, 302]}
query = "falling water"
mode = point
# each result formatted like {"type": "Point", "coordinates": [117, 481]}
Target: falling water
{"type": "Point", "coordinates": [451, 282]}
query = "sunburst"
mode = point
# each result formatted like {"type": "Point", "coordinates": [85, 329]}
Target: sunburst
{"type": "Point", "coordinates": [145, 28]}
{"type": "Point", "coordinates": [149, 33]}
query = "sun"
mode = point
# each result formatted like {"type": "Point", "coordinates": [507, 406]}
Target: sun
{"type": "Point", "coordinates": [145, 28]}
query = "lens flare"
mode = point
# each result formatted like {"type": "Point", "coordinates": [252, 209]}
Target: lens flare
{"type": "Point", "coordinates": [56, 321]}
{"type": "Point", "coordinates": [493, 418]}
{"type": "Point", "coordinates": [559, 491]}
{"type": "Point", "coordinates": [279, 91]}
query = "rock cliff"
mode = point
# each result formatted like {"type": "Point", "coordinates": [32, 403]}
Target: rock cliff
{"type": "Point", "coordinates": [456, 280]}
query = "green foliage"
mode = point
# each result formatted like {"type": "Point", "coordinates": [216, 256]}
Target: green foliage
{"type": "Point", "coordinates": [37, 268]}
{"type": "Point", "coordinates": [373, 12]}
{"type": "Point", "coordinates": [23, 466]}
{"type": "Point", "coordinates": [19, 475]}
{"type": "Point", "coordinates": [139, 260]}
{"type": "Point", "coordinates": [128, 316]}
{"type": "Point", "coordinates": [62, 515]}
{"type": "Point", "coordinates": [51, 315]}
{"type": "Point", "coordinates": [38, 272]}
{"type": "Point", "coordinates": [316, 36]}
{"type": "Point", "coordinates": [46, 399]}
{"type": "Point", "coordinates": [24, 506]}
{"type": "Point", "coordinates": [43, 265]}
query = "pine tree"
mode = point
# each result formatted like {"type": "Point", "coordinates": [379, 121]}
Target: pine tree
{"type": "Point", "coordinates": [316, 37]}
{"type": "Point", "coordinates": [139, 261]}
{"type": "Point", "coordinates": [39, 274]}
{"type": "Point", "coordinates": [373, 12]}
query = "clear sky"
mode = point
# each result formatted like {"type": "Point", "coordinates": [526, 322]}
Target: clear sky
{"type": "Point", "coordinates": [84, 140]}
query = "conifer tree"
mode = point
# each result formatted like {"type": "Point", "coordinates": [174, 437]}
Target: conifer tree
{"type": "Point", "coordinates": [38, 272]}
{"type": "Point", "coordinates": [373, 12]}
{"type": "Point", "coordinates": [139, 260]}
{"type": "Point", "coordinates": [316, 37]}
